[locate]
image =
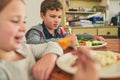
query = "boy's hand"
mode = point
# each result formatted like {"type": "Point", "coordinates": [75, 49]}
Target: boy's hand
{"type": "Point", "coordinates": [99, 38]}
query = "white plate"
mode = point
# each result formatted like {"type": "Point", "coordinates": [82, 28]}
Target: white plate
{"type": "Point", "coordinates": [64, 62]}
{"type": "Point", "coordinates": [98, 46]}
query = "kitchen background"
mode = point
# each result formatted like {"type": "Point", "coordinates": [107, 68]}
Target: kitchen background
{"type": "Point", "coordinates": [33, 18]}
{"type": "Point", "coordinates": [33, 10]}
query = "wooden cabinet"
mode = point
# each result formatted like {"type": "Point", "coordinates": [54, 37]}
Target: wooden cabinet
{"type": "Point", "coordinates": [87, 30]}
{"type": "Point", "coordinates": [109, 31]}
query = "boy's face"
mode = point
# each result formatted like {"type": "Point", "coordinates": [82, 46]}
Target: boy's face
{"type": "Point", "coordinates": [52, 18]}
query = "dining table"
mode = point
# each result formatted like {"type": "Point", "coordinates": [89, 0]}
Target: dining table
{"type": "Point", "coordinates": [112, 45]}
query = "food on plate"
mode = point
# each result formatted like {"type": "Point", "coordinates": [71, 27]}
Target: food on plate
{"type": "Point", "coordinates": [69, 61]}
{"type": "Point", "coordinates": [86, 42]}
{"type": "Point", "coordinates": [104, 58]}
{"type": "Point", "coordinates": [118, 57]}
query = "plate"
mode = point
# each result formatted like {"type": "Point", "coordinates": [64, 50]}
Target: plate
{"type": "Point", "coordinates": [103, 43]}
{"type": "Point", "coordinates": [64, 62]}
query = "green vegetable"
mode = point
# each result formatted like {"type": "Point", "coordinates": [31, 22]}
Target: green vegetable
{"type": "Point", "coordinates": [96, 44]}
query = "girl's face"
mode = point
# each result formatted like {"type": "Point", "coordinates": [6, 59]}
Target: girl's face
{"type": "Point", "coordinates": [12, 27]}
{"type": "Point", "coordinates": [52, 19]}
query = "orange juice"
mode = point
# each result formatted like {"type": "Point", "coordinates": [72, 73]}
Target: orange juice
{"type": "Point", "coordinates": [64, 43]}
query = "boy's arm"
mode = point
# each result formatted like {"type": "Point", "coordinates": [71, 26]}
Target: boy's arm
{"type": "Point", "coordinates": [87, 36]}
{"type": "Point", "coordinates": [34, 37]}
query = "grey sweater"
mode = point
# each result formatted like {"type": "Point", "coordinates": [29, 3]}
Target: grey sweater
{"type": "Point", "coordinates": [22, 69]}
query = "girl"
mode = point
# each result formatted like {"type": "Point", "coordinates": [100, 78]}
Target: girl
{"type": "Point", "coordinates": [17, 59]}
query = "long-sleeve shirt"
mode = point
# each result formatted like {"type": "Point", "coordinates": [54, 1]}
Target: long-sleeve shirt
{"type": "Point", "coordinates": [22, 69]}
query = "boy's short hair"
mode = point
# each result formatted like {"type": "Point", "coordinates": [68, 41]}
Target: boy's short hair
{"type": "Point", "coordinates": [50, 5]}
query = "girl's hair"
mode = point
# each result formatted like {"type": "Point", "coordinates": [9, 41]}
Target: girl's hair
{"type": "Point", "coordinates": [4, 3]}
{"type": "Point", "coordinates": [50, 5]}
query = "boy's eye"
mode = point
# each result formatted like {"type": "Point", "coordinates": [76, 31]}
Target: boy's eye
{"type": "Point", "coordinates": [53, 16]}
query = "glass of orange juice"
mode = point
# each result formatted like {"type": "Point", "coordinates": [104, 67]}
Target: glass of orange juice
{"type": "Point", "coordinates": [64, 42]}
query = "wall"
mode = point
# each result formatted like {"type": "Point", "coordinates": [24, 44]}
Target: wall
{"type": "Point", "coordinates": [114, 8]}
{"type": "Point", "coordinates": [33, 12]}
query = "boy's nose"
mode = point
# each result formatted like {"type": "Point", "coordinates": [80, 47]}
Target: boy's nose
{"type": "Point", "coordinates": [57, 20]}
